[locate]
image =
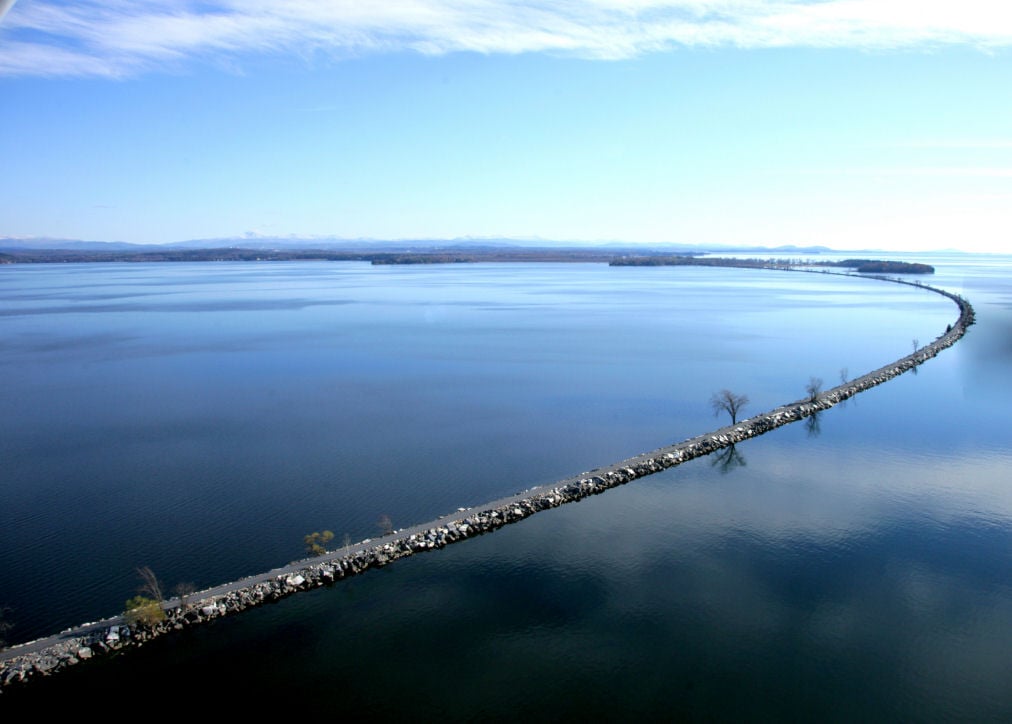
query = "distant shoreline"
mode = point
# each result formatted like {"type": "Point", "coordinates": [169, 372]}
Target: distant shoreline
{"type": "Point", "coordinates": [450, 256]}
{"type": "Point", "coordinates": [435, 255]}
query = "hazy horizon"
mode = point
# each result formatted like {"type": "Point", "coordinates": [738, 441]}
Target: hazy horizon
{"type": "Point", "coordinates": [297, 243]}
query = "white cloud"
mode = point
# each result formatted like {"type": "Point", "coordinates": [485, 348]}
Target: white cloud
{"type": "Point", "coordinates": [114, 37]}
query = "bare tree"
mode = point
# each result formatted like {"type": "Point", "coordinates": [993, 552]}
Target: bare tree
{"type": "Point", "coordinates": [843, 375]}
{"type": "Point", "coordinates": [151, 588]}
{"type": "Point", "coordinates": [813, 388]}
{"type": "Point", "coordinates": [729, 402]}
{"type": "Point", "coordinates": [385, 525]}
{"type": "Point", "coordinates": [183, 591]}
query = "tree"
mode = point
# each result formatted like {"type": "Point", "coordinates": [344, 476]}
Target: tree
{"type": "Point", "coordinates": [146, 607]}
{"type": "Point", "coordinates": [813, 388]}
{"type": "Point", "coordinates": [316, 542]}
{"type": "Point", "coordinates": [385, 525]}
{"type": "Point", "coordinates": [151, 587]}
{"type": "Point", "coordinates": [183, 592]}
{"type": "Point", "coordinates": [729, 402]}
{"type": "Point", "coordinates": [143, 610]}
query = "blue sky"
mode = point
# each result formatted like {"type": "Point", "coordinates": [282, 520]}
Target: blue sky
{"type": "Point", "coordinates": [847, 123]}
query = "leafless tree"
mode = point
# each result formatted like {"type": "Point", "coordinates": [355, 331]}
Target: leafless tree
{"type": "Point", "coordinates": [729, 402]}
{"type": "Point", "coordinates": [183, 591]}
{"type": "Point", "coordinates": [151, 588]}
{"type": "Point", "coordinates": [385, 525]}
{"type": "Point", "coordinates": [813, 388]}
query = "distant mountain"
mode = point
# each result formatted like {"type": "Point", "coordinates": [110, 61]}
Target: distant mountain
{"type": "Point", "coordinates": [274, 242]}
{"type": "Point", "coordinates": [783, 249]}
{"type": "Point", "coordinates": [366, 244]}
{"type": "Point", "coordinates": [10, 243]}
{"type": "Point", "coordinates": [459, 244]}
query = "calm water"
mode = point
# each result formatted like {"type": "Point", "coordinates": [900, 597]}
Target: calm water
{"type": "Point", "coordinates": [200, 419]}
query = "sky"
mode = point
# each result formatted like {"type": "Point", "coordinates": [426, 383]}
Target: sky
{"type": "Point", "coordinates": [853, 124]}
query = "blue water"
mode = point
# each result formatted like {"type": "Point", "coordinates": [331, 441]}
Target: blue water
{"type": "Point", "coordinates": [200, 419]}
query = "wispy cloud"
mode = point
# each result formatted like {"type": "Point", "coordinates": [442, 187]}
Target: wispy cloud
{"type": "Point", "coordinates": [120, 37]}
{"type": "Point", "coordinates": [959, 144]}
{"type": "Point", "coordinates": [919, 171]}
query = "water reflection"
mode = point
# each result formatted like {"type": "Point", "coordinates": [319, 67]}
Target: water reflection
{"type": "Point", "coordinates": [727, 460]}
{"type": "Point", "coordinates": [813, 424]}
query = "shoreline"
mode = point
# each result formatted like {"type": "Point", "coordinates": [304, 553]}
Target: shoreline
{"type": "Point", "coordinates": [22, 663]}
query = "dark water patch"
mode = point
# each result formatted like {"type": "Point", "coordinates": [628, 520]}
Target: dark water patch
{"type": "Point", "coordinates": [34, 343]}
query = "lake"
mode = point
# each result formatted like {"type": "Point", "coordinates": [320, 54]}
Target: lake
{"type": "Point", "coordinates": [200, 419]}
